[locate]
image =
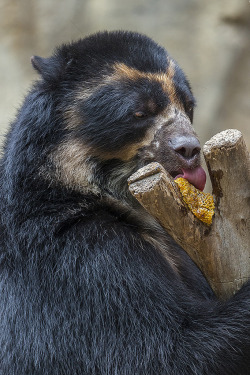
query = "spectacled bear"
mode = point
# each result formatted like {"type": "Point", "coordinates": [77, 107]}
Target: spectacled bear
{"type": "Point", "coordinates": [89, 282]}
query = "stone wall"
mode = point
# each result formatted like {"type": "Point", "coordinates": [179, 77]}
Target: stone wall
{"type": "Point", "coordinates": [209, 39]}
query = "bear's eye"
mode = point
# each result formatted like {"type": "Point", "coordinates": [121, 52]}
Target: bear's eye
{"type": "Point", "coordinates": [140, 115]}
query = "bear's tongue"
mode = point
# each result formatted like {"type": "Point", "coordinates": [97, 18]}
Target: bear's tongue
{"type": "Point", "coordinates": [196, 177]}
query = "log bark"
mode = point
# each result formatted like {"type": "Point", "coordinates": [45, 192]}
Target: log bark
{"type": "Point", "coordinates": [222, 250]}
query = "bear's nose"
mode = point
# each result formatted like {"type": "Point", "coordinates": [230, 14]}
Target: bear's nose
{"type": "Point", "coordinates": [186, 146]}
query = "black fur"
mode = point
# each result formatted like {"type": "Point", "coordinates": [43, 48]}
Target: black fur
{"type": "Point", "coordinates": [89, 282]}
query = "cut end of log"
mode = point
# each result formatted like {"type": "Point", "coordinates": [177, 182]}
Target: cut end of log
{"type": "Point", "coordinates": [148, 170]}
{"type": "Point", "coordinates": [226, 138]}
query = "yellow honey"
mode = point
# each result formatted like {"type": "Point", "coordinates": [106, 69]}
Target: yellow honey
{"type": "Point", "coordinates": [200, 204]}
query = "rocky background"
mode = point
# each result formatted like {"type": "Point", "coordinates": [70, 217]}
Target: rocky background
{"type": "Point", "coordinates": [210, 40]}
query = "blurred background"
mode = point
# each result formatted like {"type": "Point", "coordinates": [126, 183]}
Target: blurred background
{"type": "Point", "coordinates": [209, 39]}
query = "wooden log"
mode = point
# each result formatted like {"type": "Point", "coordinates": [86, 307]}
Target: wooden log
{"type": "Point", "coordinates": [222, 250]}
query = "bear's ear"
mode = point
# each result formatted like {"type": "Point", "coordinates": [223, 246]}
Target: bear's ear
{"type": "Point", "coordinates": [40, 64]}
{"type": "Point", "coordinates": [49, 68]}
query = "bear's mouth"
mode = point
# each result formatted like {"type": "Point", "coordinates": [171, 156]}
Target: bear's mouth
{"type": "Point", "coordinates": [196, 176]}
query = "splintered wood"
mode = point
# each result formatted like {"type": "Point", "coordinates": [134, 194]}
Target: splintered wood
{"type": "Point", "coordinates": [222, 250]}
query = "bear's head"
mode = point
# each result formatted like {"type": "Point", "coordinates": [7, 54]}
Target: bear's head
{"type": "Point", "coordinates": [121, 103]}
